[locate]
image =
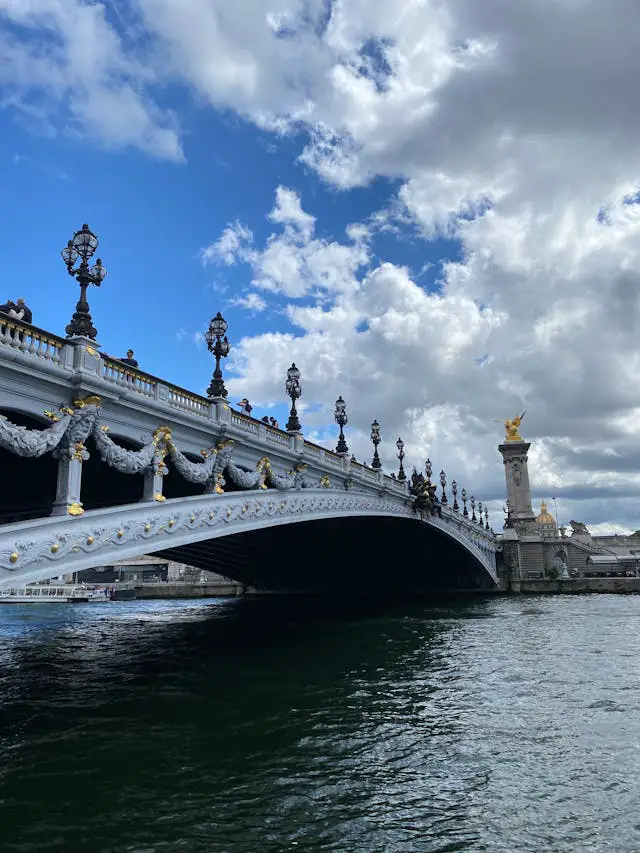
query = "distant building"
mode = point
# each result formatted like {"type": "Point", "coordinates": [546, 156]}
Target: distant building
{"type": "Point", "coordinates": [150, 569]}
{"type": "Point", "coordinates": [534, 546]}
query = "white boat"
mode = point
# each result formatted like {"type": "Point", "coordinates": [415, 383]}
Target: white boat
{"type": "Point", "coordinates": [52, 594]}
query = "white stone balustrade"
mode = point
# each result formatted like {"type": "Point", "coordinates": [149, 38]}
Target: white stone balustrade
{"type": "Point", "coordinates": [30, 340]}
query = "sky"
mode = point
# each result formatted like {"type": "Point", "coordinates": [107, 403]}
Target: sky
{"type": "Point", "coordinates": [431, 206]}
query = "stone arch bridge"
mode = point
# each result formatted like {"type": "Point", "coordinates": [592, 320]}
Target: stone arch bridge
{"type": "Point", "coordinates": [103, 462]}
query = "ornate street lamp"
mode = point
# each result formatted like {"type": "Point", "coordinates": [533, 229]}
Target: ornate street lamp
{"type": "Point", "coordinates": [340, 415]}
{"type": "Point", "coordinates": [219, 346]}
{"type": "Point", "coordinates": [443, 483]}
{"type": "Point", "coordinates": [400, 445]}
{"type": "Point", "coordinates": [454, 491]}
{"type": "Point", "coordinates": [428, 468]}
{"type": "Point", "coordinates": [83, 246]}
{"type": "Point", "coordinates": [463, 495]}
{"type": "Point", "coordinates": [480, 512]}
{"type": "Point", "coordinates": [486, 519]}
{"type": "Point", "coordinates": [294, 390]}
{"type": "Point", "coordinates": [473, 508]}
{"type": "Point", "coordinates": [375, 439]}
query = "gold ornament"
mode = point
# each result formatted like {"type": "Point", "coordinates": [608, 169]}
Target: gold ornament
{"type": "Point", "coordinates": [91, 400]}
{"type": "Point", "coordinates": [75, 509]}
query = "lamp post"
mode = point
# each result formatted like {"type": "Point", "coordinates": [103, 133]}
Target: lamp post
{"type": "Point", "coordinates": [375, 439]}
{"type": "Point", "coordinates": [428, 468]}
{"type": "Point", "coordinates": [443, 483]}
{"type": "Point", "coordinates": [340, 415]}
{"type": "Point", "coordinates": [294, 391]}
{"type": "Point", "coordinates": [486, 519]}
{"type": "Point", "coordinates": [400, 445]}
{"type": "Point", "coordinates": [219, 346]}
{"type": "Point", "coordinates": [463, 495]}
{"type": "Point", "coordinates": [454, 491]}
{"type": "Point", "coordinates": [479, 512]}
{"type": "Point", "coordinates": [83, 246]}
{"type": "Point", "coordinates": [472, 500]}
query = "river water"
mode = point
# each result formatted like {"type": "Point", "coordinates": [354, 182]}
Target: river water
{"type": "Point", "coordinates": [241, 727]}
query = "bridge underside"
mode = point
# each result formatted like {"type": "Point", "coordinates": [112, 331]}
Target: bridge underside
{"type": "Point", "coordinates": [352, 555]}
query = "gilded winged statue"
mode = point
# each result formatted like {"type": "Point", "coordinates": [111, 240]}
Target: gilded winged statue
{"type": "Point", "coordinates": [512, 428]}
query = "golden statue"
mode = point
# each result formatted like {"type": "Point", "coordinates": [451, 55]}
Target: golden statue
{"type": "Point", "coordinates": [512, 428]}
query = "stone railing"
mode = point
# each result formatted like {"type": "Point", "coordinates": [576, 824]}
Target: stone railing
{"type": "Point", "coordinates": [186, 401]}
{"type": "Point", "coordinates": [30, 340]}
{"type": "Point", "coordinates": [128, 377]}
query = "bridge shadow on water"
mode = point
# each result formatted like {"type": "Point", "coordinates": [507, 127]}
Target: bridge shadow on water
{"type": "Point", "coordinates": [375, 556]}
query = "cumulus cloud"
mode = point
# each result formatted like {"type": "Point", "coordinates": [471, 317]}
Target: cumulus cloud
{"type": "Point", "coordinates": [510, 127]}
{"type": "Point", "coordinates": [293, 262]}
{"type": "Point", "coordinates": [252, 302]}
{"type": "Point", "coordinates": [62, 62]}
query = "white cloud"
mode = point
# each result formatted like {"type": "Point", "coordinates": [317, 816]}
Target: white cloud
{"type": "Point", "coordinates": [293, 262]}
{"type": "Point", "coordinates": [233, 245]}
{"type": "Point", "coordinates": [511, 126]}
{"type": "Point", "coordinates": [72, 61]}
{"type": "Point", "coordinates": [251, 302]}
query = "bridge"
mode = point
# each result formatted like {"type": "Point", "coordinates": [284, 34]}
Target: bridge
{"type": "Point", "coordinates": [102, 461]}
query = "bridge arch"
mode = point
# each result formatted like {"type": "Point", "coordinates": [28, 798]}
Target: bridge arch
{"type": "Point", "coordinates": [378, 529]}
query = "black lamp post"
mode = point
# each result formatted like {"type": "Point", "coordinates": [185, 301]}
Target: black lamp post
{"type": "Point", "coordinates": [428, 468]}
{"type": "Point", "coordinates": [375, 439]}
{"type": "Point", "coordinates": [463, 495]}
{"type": "Point", "coordinates": [400, 445]}
{"type": "Point", "coordinates": [454, 492]}
{"type": "Point", "coordinates": [486, 519]}
{"type": "Point", "coordinates": [480, 512]}
{"type": "Point", "coordinates": [443, 483]}
{"type": "Point", "coordinates": [340, 415]}
{"type": "Point", "coordinates": [83, 246]}
{"type": "Point", "coordinates": [294, 390]}
{"type": "Point", "coordinates": [219, 346]}
{"type": "Point", "coordinates": [472, 501]}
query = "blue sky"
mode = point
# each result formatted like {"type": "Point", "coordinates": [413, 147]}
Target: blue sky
{"type": "Point", "coordinates": [473, 143]}
{"type": "Point", "coordinates": [153, 218]}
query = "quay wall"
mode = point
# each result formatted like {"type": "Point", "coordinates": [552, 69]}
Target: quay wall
{"type": "Point", "coordinates": [188, 590]}
{"type": "Point", "coordinates": [569, 586]}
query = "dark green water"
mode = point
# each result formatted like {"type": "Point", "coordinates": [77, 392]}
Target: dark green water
{"type": "Point", "coordinates": [498, 725]}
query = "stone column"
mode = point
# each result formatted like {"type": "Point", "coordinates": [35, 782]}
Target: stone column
{"type": "Point", "coordinates": [153, 476]}
{"type": "Point", "coordinates": [69, 483]}
{"type": "Point", "coordinates": [514, 455]}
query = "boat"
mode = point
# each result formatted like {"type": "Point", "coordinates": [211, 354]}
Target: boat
{"type": "Point", "coordinates": [53, 594]}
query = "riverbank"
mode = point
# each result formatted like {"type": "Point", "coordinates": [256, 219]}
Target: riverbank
{"type": "Point", "coordinates": [189, 590]}
{"type": "Point", "coordinates": [571, 586]}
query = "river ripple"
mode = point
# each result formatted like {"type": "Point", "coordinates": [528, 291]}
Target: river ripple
{"type": "Point", "coordinates": [238, 727]}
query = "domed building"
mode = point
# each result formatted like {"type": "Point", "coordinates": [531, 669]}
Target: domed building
{"type": "Point", "coordinates": [545, 522]}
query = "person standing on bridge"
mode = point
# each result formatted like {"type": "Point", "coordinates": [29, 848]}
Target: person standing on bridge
{"type": "Point", "coordinates": [245, 406]}
{"type": "Point", "coordinates": [129, 360]}
{"type": "Point", "coordinates": [17, 311]}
